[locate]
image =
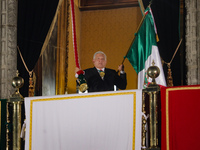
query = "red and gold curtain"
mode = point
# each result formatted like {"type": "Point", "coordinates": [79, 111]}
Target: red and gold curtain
{"type": "Point", "coordinates": [180, 109]}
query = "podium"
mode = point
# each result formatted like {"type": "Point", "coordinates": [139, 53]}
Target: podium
{"type": "Point", "coordinates": [92, 121]}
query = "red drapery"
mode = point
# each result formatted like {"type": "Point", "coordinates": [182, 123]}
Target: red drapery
{"type": "Point", "coordinates": [180, 109]}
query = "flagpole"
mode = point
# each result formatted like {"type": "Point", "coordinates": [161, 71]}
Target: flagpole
{"type": "Point", "coordinates": [134, 37]}
{"type": "Point", "coordinates": [136, 33]}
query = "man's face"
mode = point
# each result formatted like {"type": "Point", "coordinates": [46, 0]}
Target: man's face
{"type": "Point", "coordinates": [99, 61]}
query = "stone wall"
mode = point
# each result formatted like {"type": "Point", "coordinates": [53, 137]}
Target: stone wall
{"type": "Point", "coordinates": [198, 40]}
{"type": "Point", "coordinates": [8, 43]}
{"type": "Point", "coordinates": [192, 41]}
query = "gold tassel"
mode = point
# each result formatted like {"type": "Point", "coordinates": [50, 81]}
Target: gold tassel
{"type": "Point", "coordinates": [31, 89]}
{"type": "Point", "coordinates": [169, 76]}
{"type": "Point", "coordinates": [157, 38]}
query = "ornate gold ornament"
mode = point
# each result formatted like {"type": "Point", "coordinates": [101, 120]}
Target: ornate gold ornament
{"type": "Point", "coordinates": [82, 83]}
{"type": "Point", "coordinates": [153, 72]}
{"type": "Point", "coordinates": [17, 83]}
{"type": "Point", "coordinates": [169, 76]}
{"type": "Point", "coordinates": [102, 74]}
{"type": "Point", "coordinates": [83, 87]}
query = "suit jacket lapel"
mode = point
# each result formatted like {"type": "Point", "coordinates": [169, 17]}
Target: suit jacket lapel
{"type": "Point", "coordinates": [96, 72]}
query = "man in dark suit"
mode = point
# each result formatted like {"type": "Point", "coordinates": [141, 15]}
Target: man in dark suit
{"type": "Point", "coordinates": [101, 78]}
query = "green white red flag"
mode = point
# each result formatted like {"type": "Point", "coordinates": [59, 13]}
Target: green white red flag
{"type": "Point", "coordinates": [144, 51]}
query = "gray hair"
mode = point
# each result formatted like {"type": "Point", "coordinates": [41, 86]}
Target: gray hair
{"type": "Point", "coordinates": [99, 52]}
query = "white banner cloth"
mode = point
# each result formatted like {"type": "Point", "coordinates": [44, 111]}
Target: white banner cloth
{"type": "Point", "coordinates": [92, 121]}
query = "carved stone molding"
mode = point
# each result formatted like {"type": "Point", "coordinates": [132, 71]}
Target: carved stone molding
{"type": "Point", "coordinates": [192, 41]}
{"type": "Point", "coordinates": [8, 43]}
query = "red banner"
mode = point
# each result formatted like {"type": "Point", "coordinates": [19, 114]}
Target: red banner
{"type": "Point", "coordinates": [180, 109]}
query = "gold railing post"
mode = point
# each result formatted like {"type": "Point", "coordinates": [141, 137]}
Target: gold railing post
{"type": "Point", "coordinates": [144, 122]}
{"type": "Point", "coordinates": [151, 108]}
{"type": "Point", "coordinates": [15, 117]}
{"type": "Point", "coordinates": [151, 97]}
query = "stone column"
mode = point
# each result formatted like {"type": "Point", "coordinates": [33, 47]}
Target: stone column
{"type": "Point", "coordinates": [192, 41]}
{"type": "Point", "coordinates": [8, 43]}
{"type": "Point", "coordinates": [198, 41]}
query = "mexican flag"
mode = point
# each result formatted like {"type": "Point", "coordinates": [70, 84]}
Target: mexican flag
{"type": "Point", "coordinates": [144, 51]}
